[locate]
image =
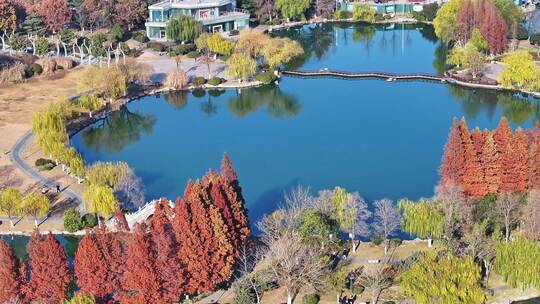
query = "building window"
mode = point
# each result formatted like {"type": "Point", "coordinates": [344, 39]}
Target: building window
{"type": "Point", "coordinates": [217, 28]}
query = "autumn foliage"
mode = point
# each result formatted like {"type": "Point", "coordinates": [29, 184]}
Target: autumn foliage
{"type": "Point", "coordinates": [10, 278]}
{"type": "Point", "coordinates": [484, 16]}
{"type": "Point", "coordinates": [489, 162]}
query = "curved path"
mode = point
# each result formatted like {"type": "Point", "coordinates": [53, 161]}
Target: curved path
{"type": "Point", "coordinates": [18, 161]}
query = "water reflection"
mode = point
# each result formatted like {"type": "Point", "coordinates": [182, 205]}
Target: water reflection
{"type": "Point", "coordinates": [516, 107]}
{"type": "Point", "coordinates": [118, 130]}
{"type": "Point", "coordinates": [275, 102]}
{"type": "Point", "coordinates": [177, 99]}
{"type": "Point", "coordinates": [20, 243]}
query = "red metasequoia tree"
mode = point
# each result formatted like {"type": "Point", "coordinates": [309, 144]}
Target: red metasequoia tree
{"type": "Point", "coordinates": [170, 269]}
{"type": "Point", "coordinates": [141, 282]}
{"type": "Point", "coordinates": [473, 176]}
{"type": "Point", "coordinates": [49, 270]}
{"type": "Point", "coordinates": [453, 161]}
{"type": "Point", "coordinates": [91, 269]}
{"type": "Point", "coordinates": [227, 169]}
{"type": "Point", "coordinates": [534, 159]}
{"type": "Point", "coordinates": [54, 13]}
{"type": "Point", "coordinates": [491, 164]}
{"type": "Point", "coordinates": [10, 277]}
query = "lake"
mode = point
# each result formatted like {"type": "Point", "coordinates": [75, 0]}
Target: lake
{"type": "Point", "coordinates": [382, 139]}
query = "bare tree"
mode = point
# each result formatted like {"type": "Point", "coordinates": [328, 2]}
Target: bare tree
{"type": "Point", "coordinates": [481, 247]}
{"type": "Point", "coordinates": [130, 188]}
{"type": "Point", "coordinates": [294, 264]}
{"type": "Point", "coordinates": [354, 217]}
{"type": "Point", "coordinates": [377, 279]}
{"type": "Point", "coordinates": [455, 208]}
{"type": "Point", "coordinates": [531, 215]}
{"type": "Point", "coordinates": [387, 219]}
{"type": "Point", "coordinates": [248, 279]}
{"type": "Point", "coordinates": [508, 208]}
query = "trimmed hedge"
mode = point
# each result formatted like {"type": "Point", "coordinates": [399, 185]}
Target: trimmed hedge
{"type": "Point", "coordinates": [199, 81]}
{"type": "Point", "coordinates": [215, 81]}
{"type": "Point", "coordinates": [156, 46]}
{"type": "Point", "coordinates": [311, 299]}
{"type": "Point", "coordinates": [89, 220]}
{"type": "Point", "coordinates": [192, 54]}
{"type": "Point", "coordinates": [43, 164]}
{"type": "Point", "coordinates": [266, 77]}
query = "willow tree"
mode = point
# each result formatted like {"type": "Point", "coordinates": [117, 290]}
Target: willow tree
{"type": "Point", "coordinates": [446, 21]}
{"type": "Point", "coordinates": [99, 200]}
{"type": "Point", "coordinates": [278, 51]}
{"type": "Point", "coordinates": [241, 66]}
{"type": "Point", "coordinates": [183, 28]}
{"type": "Point", "coordinates": [219, 45]}
{"type": "Point", "coordinates": [49, 128]}
{"type": "Point", "coordinates": [445, 279]}
{"type": "Point", "coordinates": [423, 219]}
{"type": "Point", "coordinates": [36, 205]}
{"type": "Point", "coordinates": [520, 72]}
{"type": "Point", "coordinates": [518, 262]}
{"type": "Point", "coordinates": [351, 212]}
{"type": "Point", "coordinates": [10, 203]}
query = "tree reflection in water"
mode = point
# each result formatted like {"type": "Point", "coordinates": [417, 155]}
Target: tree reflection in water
{"type": "Point", "coordinates": [515, 106]}
{"type": "Point", "coordinates": [278, 104]}
{"type": "Point", "coordinates": [177, 99]}
{"type": "Point", "coordinates": [117, 130]}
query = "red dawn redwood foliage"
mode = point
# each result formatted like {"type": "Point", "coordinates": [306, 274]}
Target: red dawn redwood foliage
{"type": "Point", "coordinates": [121, 222]}
{"type": "Point", "coordinates": [172, 273]}
{"type": "Point", "coordinates": [483, 163]}
{"type": "Point", "coordinates": [10, 277]}
{"type": "Point", "coordinates": [534, 160]}
{"type": "Point", "coordinates": [90, 267]}
{"type": "Point", "coordinates": [141, 280]}
{"type": "Point", "coordinates": [484, 16]}
{"type": "Point", "coordinates": [56, 14]}
{"type": "Point", "coordinates": [49, 271]}
{"type": "Point", "coordinates": [227, 169]}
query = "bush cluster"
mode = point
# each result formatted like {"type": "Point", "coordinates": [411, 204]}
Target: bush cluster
{"type": "Point", "coordinates": [192, 54]}
{"type": "Point", "coordinates": [199, 81]}
{"type": "Point", "coordinates": [215, 81]}
{"type": "Point", "coordinates": [311, 299]}
{"type": "Point", "coordinates": [33, 69]}
{"type": "Point", "coordinates": [266, 77]}
{"type": "Point", "coordinates": [43, 164]}
{"type": "Point", "coordinates": [73, 221]}
{"type": "Point", "coordinates": [183, 49]}
{"type": "Point", "coordinates": [157, 47]}
{"type": "Point", "coordinates": [140, 37]}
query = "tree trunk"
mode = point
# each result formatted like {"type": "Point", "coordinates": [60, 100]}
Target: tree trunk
{"type": "Point", "coordinates": [289, 298]}
{"type": "Point", "coordinates": [430, 242]}
{"type": "Point", "coordinates": [353, 245]}
{"type": "Point", "coordinates": [11, 222]}
{"type": "Point", "coordinates": [35, 223]}
{"type": "Point", "coordinates": [507, 231]}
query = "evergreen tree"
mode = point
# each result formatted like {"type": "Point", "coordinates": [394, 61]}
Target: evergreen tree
{"type": "Point", "coordinates": [521, 161]}
{"type": "Point", "coordinates": [49, 270]}
{"type": "Point", "coordinates": [227, 169]}
{"type": "Point", "coordinates": [33, 25]}
{"type": "Point", "coordinates": [248, 5]}
{"type": "Point", "coordinates": [473, 178]}
{"type": "Point", "coordinates": [453, 161]}
{"type": "Point", "coordinates": [491, 164]}
{"type": "Point", "coordinates": [10, 277]}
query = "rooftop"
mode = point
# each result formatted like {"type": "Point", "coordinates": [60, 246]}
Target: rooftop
{"type": "Point", "coordinates": [167, 4]}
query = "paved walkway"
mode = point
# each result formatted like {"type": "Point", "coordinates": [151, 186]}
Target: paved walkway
{"type": "Point", "coordinates": [18, 161]}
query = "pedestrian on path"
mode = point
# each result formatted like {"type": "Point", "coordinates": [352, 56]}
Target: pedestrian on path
{"type": "Point", "coordinates": [57, 188]}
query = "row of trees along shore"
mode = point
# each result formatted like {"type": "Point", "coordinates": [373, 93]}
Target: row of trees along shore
{"type": "Point", "coordinates": [186, 250]}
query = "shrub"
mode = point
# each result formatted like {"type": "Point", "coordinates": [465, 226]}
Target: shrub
{"type": "Point", "coordinates": [13, 75]}
{"type": "Point", "coordinates": [266, 77]}
{"type": "Point", "coordinates": [337, 280]}
{"type": "Point", "coordinates": [234, 33]}
{"type": "Point", "coordinates": [89, 220]}
{"type": "Point", "coordinates": [44, 164]}
{"type": "Point", "coordinates": [535, 39]}
{"type": "Point", "coordinates": [192, 54]}
{"type": "Point", "coordinates": [117, 33]}
{"type": "Point", "coordinates": [522, 33]}
{"type": "Point", "coordinates": [357, 289]}
{"type": "Point", "coordinates": [199, 81]}
{"type": "Point", "coordinates": [183, 49]}
{"type": "Point", "coordinates": [429, 11]}
{"type": "Point", "coordinates": [140, 37]}
{"type": "Point", "coordinates": [64, 62]}
{"type": "Point", "coordinates": [157, 47]}
{"type": "Point", "coordinates": [215, 81]}
{"type": "Point", "coordinates": [310, 299]}
{"type": "Point", "coordinates": [397, 241]}
{"type": "Point", "coordinates": [36, 68]}
{"type": "Point", "coordinates": [89, 102]}
{"type": "Point", "coordinates": [269, 22]}
{"type": "Point", "coordinates": [276, 21]}
{"type": "Point", "coordinates": [48, 64]}
{"type": "Point", "coordinates": [341, 14]}
{"type": "Point", "coordinates": [176, 79]}
{"type": "Point", "coordinates": [72, 220]}
{"type": "Point", "coordinates": [377, 240]}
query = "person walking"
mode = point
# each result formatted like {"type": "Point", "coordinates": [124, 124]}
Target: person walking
{"type": "Point", "coordinates": [57, 188]}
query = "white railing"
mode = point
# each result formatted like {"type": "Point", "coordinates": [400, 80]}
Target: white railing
{"type": "Point", "coordinates": [139, 216]}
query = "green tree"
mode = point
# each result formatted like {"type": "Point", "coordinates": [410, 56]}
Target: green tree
{"type": "Point", "coordinates": [292, 8]}
{"type": "Point", "coordinates": [447, 279]}
{"type": "Point", "coordinates": [520, 72]}
{"type": "Point", "coordinates": [518, 262]}
{"type": "Point", "coordinates": [100, 200]}
{"type": "Point", "coordinates": [316, 227]}
{"type": "Point", "coordinates": [183, 28]}
{"type": "Point", "coordinates": [511, 13]}
{"type": "Point", "coordinates": [456, 56]}
{"type": "Point", "coordinates": [36, 205]}
{"type": "Point", "coordinates": [423, 219]}
{"type": "Point", "coordinates": [241, 66]}
{"type": "Point", "coordinates": [72, 220]}
{"type": "Point", "coordinates": [33, 25]}
{"type": "Point", "coordinates": [42, 46]}
{"type": "Point", "coordinates": [364, 12]}
{"type": "Point", "coordinates": [478, 41]}
{"type": "Point", "coordinates": [446, 21]}
{"type": "Point", "coordinates": [17, 43]}
{"type": "Point", "coordinates": [10, 203]}
{"type": "Point", "coordinates": [117, 33]}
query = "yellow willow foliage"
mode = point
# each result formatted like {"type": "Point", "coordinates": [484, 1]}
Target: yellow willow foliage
{"type": "Point", "coordinates": [444, 280]}
{"type": "Point", "coordinates": [278, 51]}
{"type": "Point", "coordinates": [241, 66]}
{"type": "Point", "coordinates": [446, 21]}
{"type": "Point", "coordinates": [520, 72]}
{"type": "Point", "coordinates": [423, 219]}
{"type": "Point", "coordinates": [49, 127]}
{"type": "Point", "coordinates": [252, 42]}
{"type": "Point", "coordinates": [36, 205]}
{"type": "Point", "coordinates": [219, 45]}
{"type": "Point", "coordinates": [339, 196]}
{"type": "Point", "coordinates": [99, 199]}
{"type": "Point", "coordinates": [519, 262]}
{"type": "Point", "coordinates": [106, 174]}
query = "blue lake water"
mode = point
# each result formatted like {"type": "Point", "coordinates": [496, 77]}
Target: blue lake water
{"type": "Point", "coordinates": [382, 139]}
